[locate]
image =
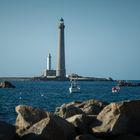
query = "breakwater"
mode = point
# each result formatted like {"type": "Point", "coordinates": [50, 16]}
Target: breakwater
{"type": "Point", "coordinates": [87, 120]}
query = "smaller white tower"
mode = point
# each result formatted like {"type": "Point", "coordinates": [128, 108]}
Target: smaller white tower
{"type": "Point", "coordinates": [49, 62]}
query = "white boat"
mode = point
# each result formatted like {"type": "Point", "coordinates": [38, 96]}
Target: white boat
{"type": "Point", "coordinates": [115, 89]}
{"type": "Point", "coordinates": [74, 88]}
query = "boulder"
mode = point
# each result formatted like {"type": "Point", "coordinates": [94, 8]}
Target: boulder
{"type": "Point", "coordinates": [33, 137]}
{"type": "Point", "coordinates": [66, 111]}
{"type": "Point", "coordinates": [127, 137]}
{"type": "Point", "coordinates": [92, 107]}
{"type": "Point", "coordinates": [51, 128]}
{"type": "Point", "coordinates": [74, 103]}
{"type": "Point", "coordinates": [7, 131]}
{"type": "Point", "coordinates": [86, 137]}
{"type": "Point", "coordinates": [118, 118]}
{"type": "Point", "coordinates": [27, 116]}
{"type": "Point", "coordinates": [81, 122]}
{"type": "Point", "coordinates": [44, 129]}
{"type": "Point", "coordinates": [6, 84]}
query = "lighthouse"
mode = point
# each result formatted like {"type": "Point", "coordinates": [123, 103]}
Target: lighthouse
{"type": "Point", "coordinates": [60, 70]}
{"type": "Point", "coordinates": [49, 62]}
{"type": "Point", "coordinates": [49, 72]}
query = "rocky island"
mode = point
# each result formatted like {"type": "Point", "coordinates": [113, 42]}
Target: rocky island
{"type": "Point", "coordinates": [88, 120]}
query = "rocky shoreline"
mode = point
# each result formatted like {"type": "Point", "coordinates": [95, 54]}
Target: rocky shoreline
{"type": "Point", "coordinates": [88, 120]}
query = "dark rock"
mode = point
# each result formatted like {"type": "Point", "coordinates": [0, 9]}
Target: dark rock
{"type": "Point", "coordinates": [87, 137]}
{"type": "Point", "coordinates": [127, 137]}
{"type": "Point", "coordinates": [6, 84]}
{"type": "Point", "coordinates": [118, 118]}
{"type": "Point", "coordinates": [7, 131]}
{"type": "Point", "coordinates": [27, 116]}
{"type": "Point", "coordinates": [33, 137]}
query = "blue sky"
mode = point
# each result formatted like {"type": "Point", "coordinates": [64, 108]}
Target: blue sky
{"type": "Point", "coordinates": [102, 37]}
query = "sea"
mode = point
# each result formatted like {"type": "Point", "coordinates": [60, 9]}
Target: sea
{"type": "Point", "coordinates": [48, 95]}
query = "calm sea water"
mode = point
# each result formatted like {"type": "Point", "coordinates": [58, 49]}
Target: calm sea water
{"type": "Point", "coordinates": [50, 94]}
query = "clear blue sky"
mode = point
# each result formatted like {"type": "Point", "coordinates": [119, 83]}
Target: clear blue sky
{"type": "Point", "coordinates": [102, 37]}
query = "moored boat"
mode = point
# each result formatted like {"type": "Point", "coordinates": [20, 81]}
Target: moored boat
{"type": "Point", "coordinates": [74, 88]}
{"type": "Point", "coordinates": [115, 89]}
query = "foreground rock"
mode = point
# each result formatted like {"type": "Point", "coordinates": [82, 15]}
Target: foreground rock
{"type": "Point", "coordinates": [87, 137]}
{"type": "Point", "coordinates": [116, 121]}
{"type": "Point", "coordinates": [118, 118]}
{"type": "Point", "coordinates": [51, 128]}
{"type": "Point", "coordinates": [27, 116]}
{"type": "Point", "coordinates": [7, 131]}
{"type": "Point", "coordinates": [33, 123]}
{"type": "Point", "coordinates": [6, 84]}
{"type": "Point", "coordinates": [90, 107]}
{"type": "Point", "coordinates": [127, 137]}
{"type": "Point", "coordinates": [81, 122]}
{"type": "Point", "coordinates": [66, 111]}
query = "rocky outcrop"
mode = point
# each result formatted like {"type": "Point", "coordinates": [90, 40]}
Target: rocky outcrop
{"type": "Point", "coordinates": [7, 131]}
{"type": "Point", "coordinates": [119, 118]}
{"type": "Point", "coordinates": [6, 84]}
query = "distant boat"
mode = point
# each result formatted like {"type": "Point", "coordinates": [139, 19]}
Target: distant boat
{"type": "Point", "coordinates": [74, 88]}
{"type": "Point", "coordinates": [115, 89]}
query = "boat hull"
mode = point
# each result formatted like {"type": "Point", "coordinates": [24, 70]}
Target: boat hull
{"type": "Point", "coordinates": [74, 90]}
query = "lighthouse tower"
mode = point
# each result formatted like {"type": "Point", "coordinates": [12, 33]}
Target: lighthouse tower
{"type": "Point", "coordinates": [60, 70]}
{"type": "Point", "coordinates": [49, 62]}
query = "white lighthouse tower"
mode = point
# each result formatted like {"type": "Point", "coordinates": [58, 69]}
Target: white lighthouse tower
{"type": "Point", "coordinates": [49, 72]}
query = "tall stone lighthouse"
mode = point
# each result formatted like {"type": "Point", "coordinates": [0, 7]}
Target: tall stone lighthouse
{"type": "Point", "coordinates": [49, 62]}
{"type": "Point", "coordinates": [60, 70]}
